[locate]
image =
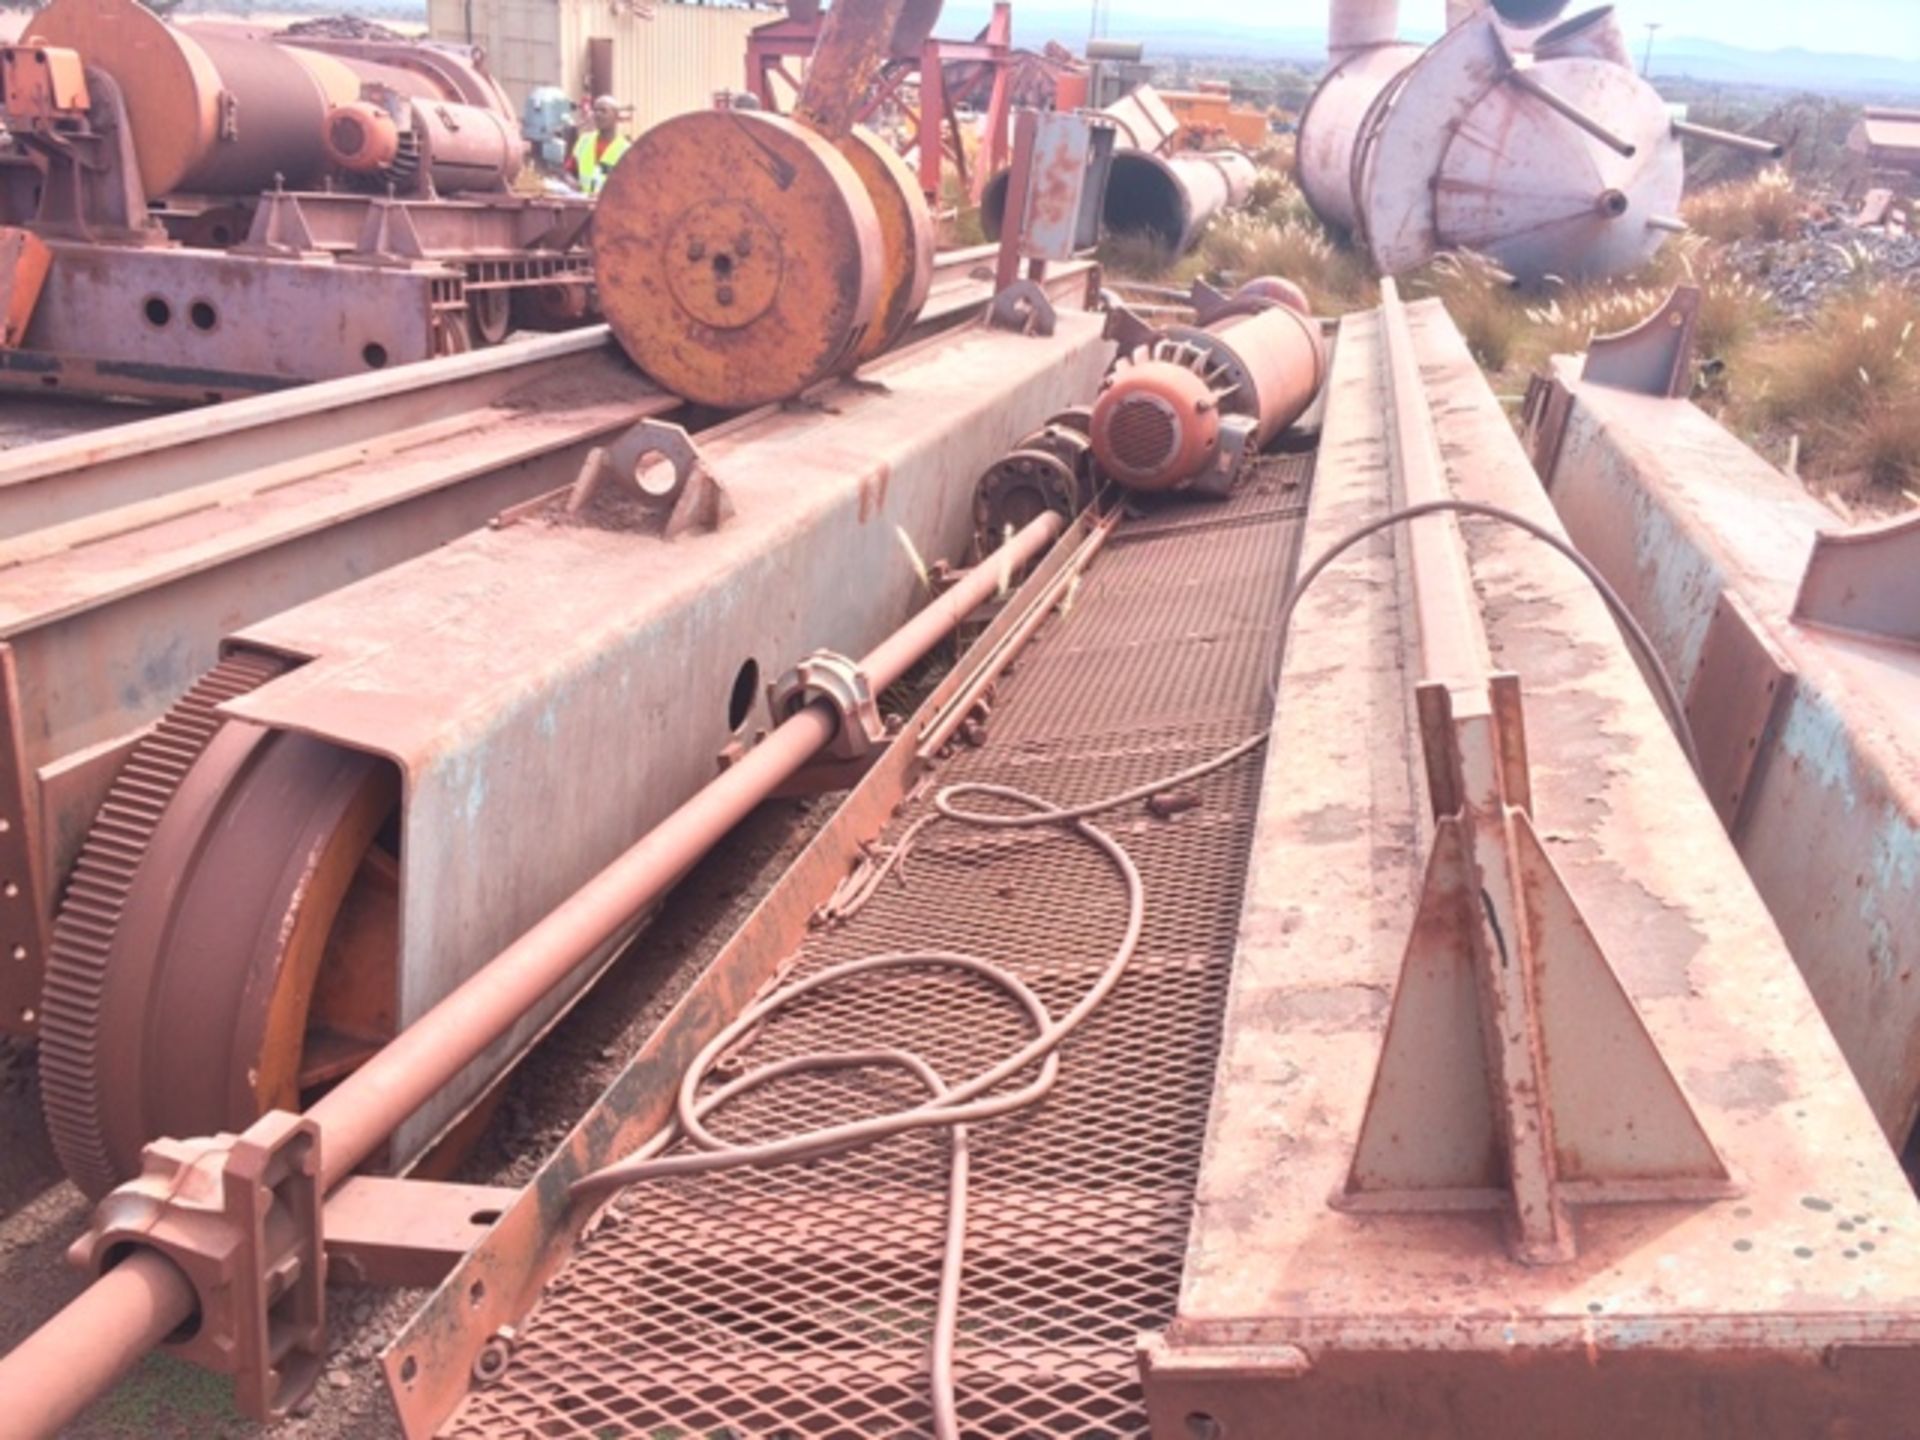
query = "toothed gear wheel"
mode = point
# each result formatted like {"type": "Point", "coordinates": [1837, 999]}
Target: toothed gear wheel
{"type": "Point", "coordinates": [90, 915]}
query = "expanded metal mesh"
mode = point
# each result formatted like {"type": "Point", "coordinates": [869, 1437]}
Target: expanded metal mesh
{"type": "Point", "coordinates": [798, 1301]}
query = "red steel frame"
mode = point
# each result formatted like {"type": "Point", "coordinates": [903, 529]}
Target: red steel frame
{"type": "Point", "coordinates": [771, 46]}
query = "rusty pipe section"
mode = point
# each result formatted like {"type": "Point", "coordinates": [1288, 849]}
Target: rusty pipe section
{"type": "Point", "coordinates": [1751, 144]}
{"type": "Point", "coordinates": [1158, 425]}
{"type": "Point", "coordinates": [104, 1331]}
{"type": "Point", "coordinates": [50, 1377]}
{"type": "Point", "coordinates": [1168, 198]}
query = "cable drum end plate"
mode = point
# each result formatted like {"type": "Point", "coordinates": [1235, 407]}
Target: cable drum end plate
{"type": "Point", "coordinates": [739, 257]}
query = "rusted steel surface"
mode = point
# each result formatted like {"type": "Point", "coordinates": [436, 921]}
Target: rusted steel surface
{"type": "Point", "coordinates": [814, 1288]}
{"type": "Point", "coordinates": [1515, 1073]}
{"type": "Point", "coordinates": [813, 555]}
{"type": "Point", "coordinates": [263, 322]}
{"type": "Point", "coordinates": [110, 618]}
{"type": "Point", "coordinates": [1553, 164]}
{"type": "Point", "coordinates": [508, 1269]}
{"type": "Point", "coordinates": [738, 257]}
{"type": "Point", "coordinates": [1696, 1318]}
{"type": "Point", "coordinates": [222, 109]}
{"type": "Point", "coordinates": [154, 455]}
{"type": "Point", "coordinates": [1685, 521]}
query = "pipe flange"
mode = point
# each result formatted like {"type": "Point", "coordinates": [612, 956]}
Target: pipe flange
{"type": "Point", "coordinates": [1023, 485]}
{"type": "Point", "coordinates": [841, 683]}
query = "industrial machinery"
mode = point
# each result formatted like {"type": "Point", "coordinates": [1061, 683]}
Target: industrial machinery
{"type": "Point", "coordinates": [1190, 406]}
{"type": "Point", "coordinates": [1542, 149]}
{"type": "Point", "coordinates": [229, 210]}
{"type": "Point", "coordinates": [1284, 975]}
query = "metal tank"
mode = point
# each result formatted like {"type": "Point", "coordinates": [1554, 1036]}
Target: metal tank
{"type": "Point", "coordinates": [1539, 148]}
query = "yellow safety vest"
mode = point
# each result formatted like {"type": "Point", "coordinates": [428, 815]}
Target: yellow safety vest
{"type": "Point", "coordinates": [593, 167]}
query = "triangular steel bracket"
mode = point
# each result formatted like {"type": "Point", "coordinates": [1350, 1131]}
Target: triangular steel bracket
{"type": "Point", "coordinates": [1516, 1071]}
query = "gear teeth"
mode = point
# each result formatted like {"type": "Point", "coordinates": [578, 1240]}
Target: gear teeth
{"type": "Point", "coordinates": [90, 912]}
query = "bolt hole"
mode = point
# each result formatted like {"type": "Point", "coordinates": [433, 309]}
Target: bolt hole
{"type": "Point", "coordinates": [5, 825]}
{"type": "Point", "coordinates": [203, 316]}
{"type": "Point", "coordinates": [476, 1292]}
{"type": "Point", "coordinates": [375, 354]}
{"type": "Point", "coordinates": [722, 266]}
{"type": "Point", "coordinates": [655, 474]}
{"type": "Point", "coordinates": [746, 690]}
{"type": "Point", "coordinates": [1202, 1426]}
{"type": "Point", "coordinates": [158, 312]}
{"type": "Point", "coordinates": [28, 1015]}
{"type": "Point", "coordinates": [20, 952]}
{"type": "Point", "coordinates": [484, 1217]}
{"type": "Point", "coordinates": [11, 891]}
{"type": "Point", "coordinates": [409, 1368]}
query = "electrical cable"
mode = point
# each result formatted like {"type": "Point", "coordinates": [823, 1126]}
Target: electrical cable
{"type": "Point", "coordinates": [954, 1107]}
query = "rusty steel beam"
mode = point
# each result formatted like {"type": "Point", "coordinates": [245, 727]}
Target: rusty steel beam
{"type": "Point", "coordinates": [1792, 636]}
{"type": "Point", "coordinates": [839, 487]}
{"type": "Point", "coordinates": [78, 1354]}
{"type": "Point", "coordinates": [430, 1366]}
{"type": "Point", "coordinates": [141, 546]}
{"type": "Point", "coordinates": [1762, 1314]}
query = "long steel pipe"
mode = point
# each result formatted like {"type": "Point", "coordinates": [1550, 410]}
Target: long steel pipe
{"type": "Point", "coordinates": [1168, 197]}
{"type": "Point", "coordinates": [78, 1354]}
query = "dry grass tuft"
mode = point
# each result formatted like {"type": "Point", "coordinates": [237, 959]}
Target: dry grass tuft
{"type": "Point", "coordinates": [1242, 246]}
{"type": "Point", "coordinates": [1849, 386]}
{"type": "Point", "coordinates": [1767, 207]}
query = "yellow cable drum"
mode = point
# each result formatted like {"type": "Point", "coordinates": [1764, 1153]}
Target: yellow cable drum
{"type": "Point", "coordinates": [740, 257]}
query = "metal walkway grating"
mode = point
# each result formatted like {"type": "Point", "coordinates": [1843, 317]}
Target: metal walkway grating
{"type": "Point", "coordinates": [796, 1302]}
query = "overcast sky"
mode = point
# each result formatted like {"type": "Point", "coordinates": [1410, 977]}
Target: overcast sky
{"type": "Point", "coordinates": [1889, 28]}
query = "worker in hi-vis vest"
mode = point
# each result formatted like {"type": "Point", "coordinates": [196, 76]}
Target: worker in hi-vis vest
{"type": "Point", "coordinates": [595, 152]}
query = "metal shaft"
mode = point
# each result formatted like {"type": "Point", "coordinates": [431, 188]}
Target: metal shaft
{"type": "Point", "coordinates": [359, 1113]}
{"type": "Point", "coordinates": [1752, 144]}
{"type": "Point", "coordinates": [78, 1354]}
{"type": "Point", "coordinates": [1567, 110]}
{"type": "Point", "coordinates": [61, 1368]}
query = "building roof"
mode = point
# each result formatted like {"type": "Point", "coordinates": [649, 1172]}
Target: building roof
{"type": "Point", "coordinates": [1897, 130]}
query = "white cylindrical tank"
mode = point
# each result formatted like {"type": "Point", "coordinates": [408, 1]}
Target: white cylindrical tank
{"type": "Point", "coordinates": [1556, 162]}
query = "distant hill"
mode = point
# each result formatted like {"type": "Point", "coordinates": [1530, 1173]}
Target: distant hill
{"type": "Point", "coordinates": [1168, 32]}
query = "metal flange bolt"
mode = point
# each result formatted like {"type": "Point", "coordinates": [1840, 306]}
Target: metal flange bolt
{"type": "Point", "coordinates": [826, 675]}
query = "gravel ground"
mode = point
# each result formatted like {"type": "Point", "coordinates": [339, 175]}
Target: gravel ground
{"type": "Point", "coordinates": [40, 1213]}
{"type": "Point", "coordinates": [1802, 273]}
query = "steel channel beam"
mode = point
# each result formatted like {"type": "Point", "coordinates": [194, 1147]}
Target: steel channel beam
{"type": "Point", "coordinates": [1807, 732]}
{"type": "Point", "coordinates": [221, 518]}
{"type": "Point", "coordinates": [566, 708]}
{"type": "Point", "coordinates": [131, 1309]}
{"type": "Point", "coordinates": [1760, 1316]}
{"type": "Point", "coordinates": [79, 475]}
{"type": "Point", "coordinates": [429, 1365]}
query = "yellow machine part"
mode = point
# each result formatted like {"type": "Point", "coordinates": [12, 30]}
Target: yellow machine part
{"type": "Point", "coordinates": [906, 237]}
{"type": "Point", "coordinates": [738, 257]}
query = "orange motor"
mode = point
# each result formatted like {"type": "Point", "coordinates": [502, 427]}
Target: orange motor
{"type": "Point", "coordinates": [361, 138]}
{"type": "Point", "coordinates": [1155, 426]}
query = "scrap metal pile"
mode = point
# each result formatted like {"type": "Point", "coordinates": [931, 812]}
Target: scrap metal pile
{"type": "Point", "coordinates": [1291, 974]}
